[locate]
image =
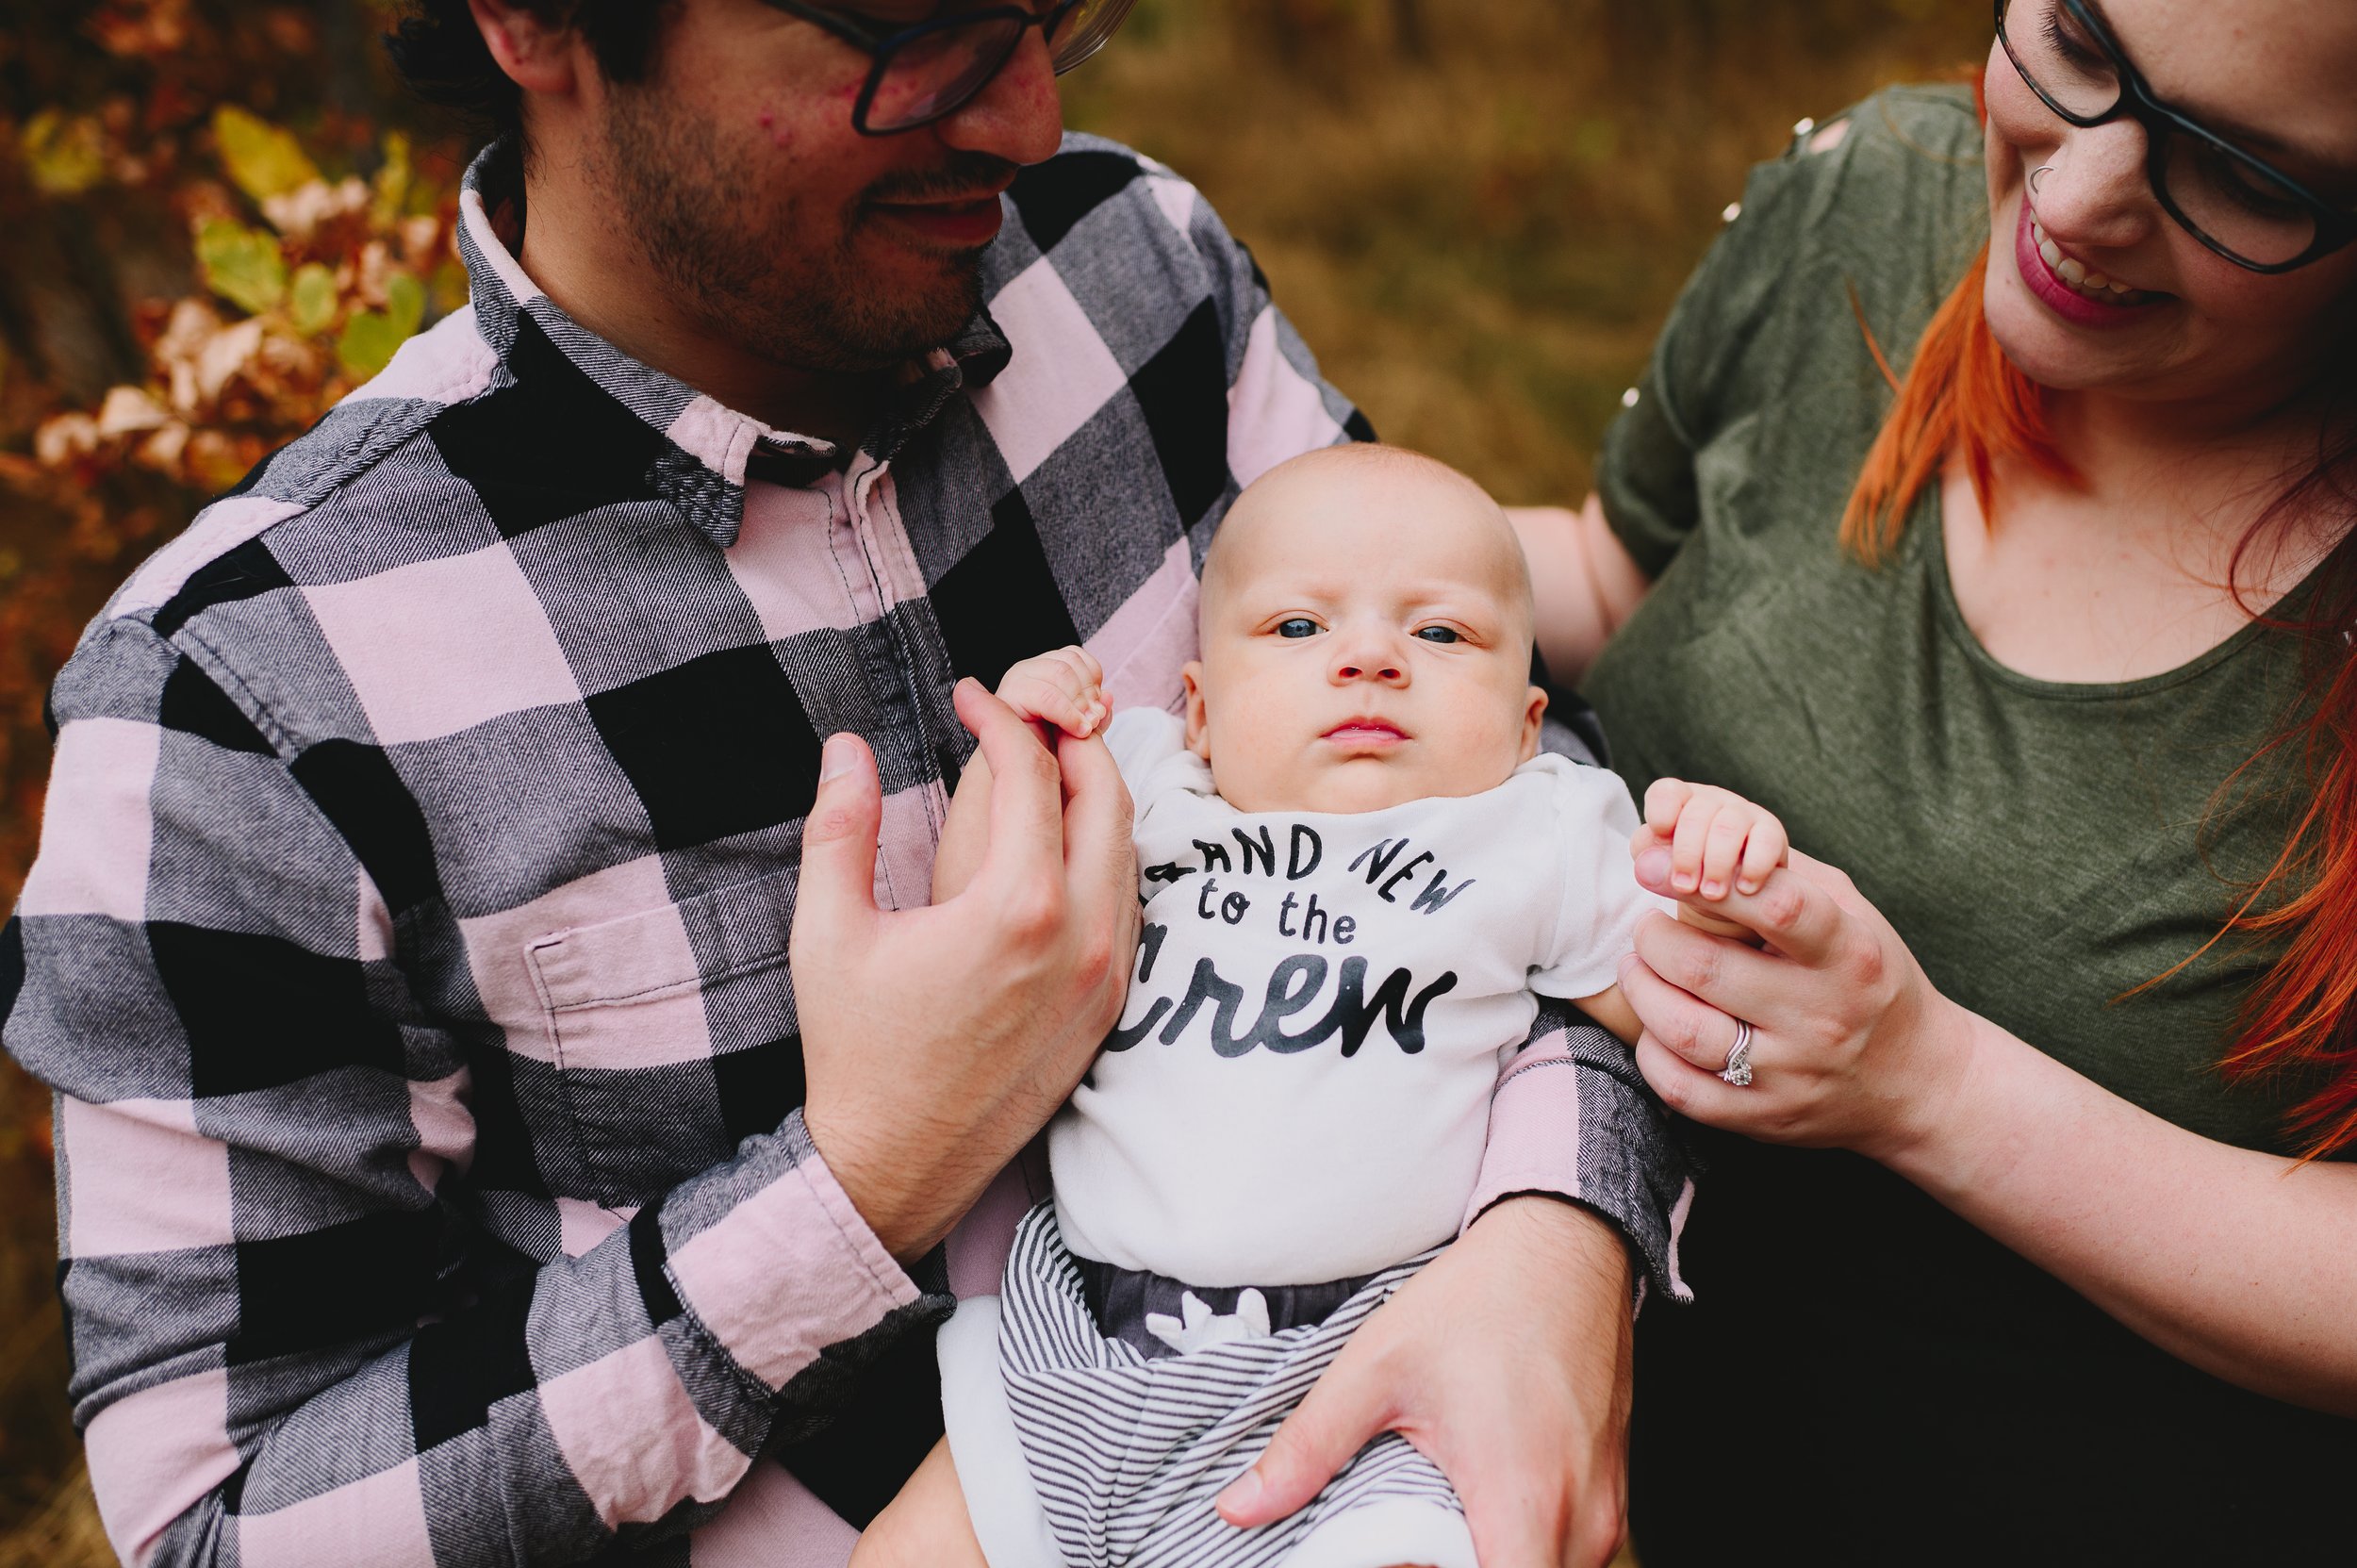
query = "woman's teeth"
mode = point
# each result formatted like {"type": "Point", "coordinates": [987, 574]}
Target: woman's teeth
{"type": "Point", "coordinates": [2095, 286]}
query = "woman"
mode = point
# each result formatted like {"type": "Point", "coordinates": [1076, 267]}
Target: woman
{"type": "Point", "coordinates": [2036, 1276]}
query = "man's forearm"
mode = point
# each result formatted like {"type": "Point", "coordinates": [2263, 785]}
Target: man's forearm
{"type": "Point", "coordinates": [1570, 1120]}
{"type": "Point", "coordinates": [655, 1367]}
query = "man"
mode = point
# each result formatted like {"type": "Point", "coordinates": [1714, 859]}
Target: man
{"type": "Point", "coordinates": [458, 1161]}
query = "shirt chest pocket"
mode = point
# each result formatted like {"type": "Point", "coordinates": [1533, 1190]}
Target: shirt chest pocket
{"type": "Point", "coordinates": [672, 1036]}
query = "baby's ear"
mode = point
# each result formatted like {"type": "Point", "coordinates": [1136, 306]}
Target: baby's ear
{"type": "Point", "coordinates": [1533, 717]}
{"type": "Point", "coordinates": [1198, 726]}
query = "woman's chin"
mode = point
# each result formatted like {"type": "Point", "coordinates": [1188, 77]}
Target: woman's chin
{"type": "Point", "coordinates": [2050, 351]}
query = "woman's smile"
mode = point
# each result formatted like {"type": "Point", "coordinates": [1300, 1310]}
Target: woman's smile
{"type": "Point", "coordinates": [2068, 287]}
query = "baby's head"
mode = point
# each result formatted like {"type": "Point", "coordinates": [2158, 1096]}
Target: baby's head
{"type": "Point", "coordinates": [1366, 639]}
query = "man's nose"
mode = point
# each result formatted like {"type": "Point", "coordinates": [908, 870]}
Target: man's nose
{"type": "Point", "coordinates": [1018, 115]}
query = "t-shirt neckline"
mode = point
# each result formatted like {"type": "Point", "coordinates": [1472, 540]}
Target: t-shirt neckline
{"type": "Point", "coordinates": [1934, 527]}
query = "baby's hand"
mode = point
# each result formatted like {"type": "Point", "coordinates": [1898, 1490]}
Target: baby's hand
{"type": "Point", "coordinates": [1716, 838]}
{"type": "Point", "coordinates": [1066, 689]}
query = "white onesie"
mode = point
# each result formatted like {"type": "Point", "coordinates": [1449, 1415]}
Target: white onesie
{"type": "Point", "coordinates": [1286, 1125]}
{"type": "Point", "coordinates": [1299, 1087]}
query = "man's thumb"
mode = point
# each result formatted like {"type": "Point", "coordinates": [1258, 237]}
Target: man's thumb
{"type": "Point", "coordinates": [1307, 1451]}
{"type": "Point", "coordinates": [839, 839]}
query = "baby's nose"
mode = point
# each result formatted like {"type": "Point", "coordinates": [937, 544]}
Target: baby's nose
{"type": "Point", "coordinates": [1369, 664]}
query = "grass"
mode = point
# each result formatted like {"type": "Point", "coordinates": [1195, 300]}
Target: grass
{"type": "Point", "coordinates": [1480, 236]}
{"type": "Point", "coordinates": [1477, 222]}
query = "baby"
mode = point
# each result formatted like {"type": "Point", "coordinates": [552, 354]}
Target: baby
{"type": "Point", "coordinates": [1359, 874]}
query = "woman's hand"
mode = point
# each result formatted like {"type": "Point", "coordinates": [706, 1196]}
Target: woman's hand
{"type": "Point", "coordinates": [2236, 1260]}
{"type": "Point", "coordinates": [1852, 1047]}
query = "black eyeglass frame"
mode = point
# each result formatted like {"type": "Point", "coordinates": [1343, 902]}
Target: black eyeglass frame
{"type": "Point", "coordinates": [2336, 226]}
{"type": "Point", "coordinates": [881, 41]}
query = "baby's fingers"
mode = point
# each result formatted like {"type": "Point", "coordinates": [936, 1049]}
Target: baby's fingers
{"type": "Point", "coordinates": [1050, 689]}
{"type": "Point", "coordinates": [1766, 848]}
{"type": "Point", "coordinates": [1688, 843]}
{"type": "Point", "coordinates": [1064, 688]}
{"type": "Point", "coordinates": [1724, 849]}
{"type": "Point", "coordinates": [1664, 800]}
{"type": "Point", "coordinates": [1086, 684]}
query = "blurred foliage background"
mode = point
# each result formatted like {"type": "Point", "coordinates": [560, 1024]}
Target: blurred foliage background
{"type": "Point", "coordinates": [217, 217]}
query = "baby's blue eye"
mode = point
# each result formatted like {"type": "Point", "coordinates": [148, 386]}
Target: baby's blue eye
{"type": "Point", "coordinates": [1438, 634]}
{"type": "Point", "coordinates": [1299, 626]}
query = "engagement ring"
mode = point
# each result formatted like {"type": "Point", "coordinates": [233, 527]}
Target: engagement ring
{"type": "Point", "coordinates": [1738, 1068]}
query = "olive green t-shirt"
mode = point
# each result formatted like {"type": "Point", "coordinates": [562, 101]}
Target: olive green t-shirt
{"type": "Point", "coordinates": [2043, 849]}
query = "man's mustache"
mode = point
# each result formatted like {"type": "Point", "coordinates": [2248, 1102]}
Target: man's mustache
{"type": "Point", "coordinates": [965, 174]}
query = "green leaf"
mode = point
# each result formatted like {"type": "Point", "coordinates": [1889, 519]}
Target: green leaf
{"type": "Point", "coordinates": [243, 266]}
{"type": "Point", "coordinates": [262, 158]}
{"type": "Point", "coordinates": [393, 179]}
{"type": "Point", "coordinates": [366, 343]}
{"type": "Point", "coordinates": [404, 301]}
{"type": "Point", "coordinates": [65, 155]}
{"type": "Point", "coordinates": [311, 298]}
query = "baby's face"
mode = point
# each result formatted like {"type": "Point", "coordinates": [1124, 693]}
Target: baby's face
{"type": "Point", "coordinates": [1366, 640]}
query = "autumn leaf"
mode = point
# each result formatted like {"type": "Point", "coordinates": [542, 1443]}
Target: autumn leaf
{"type": "Point", "coordinates": [299, 212]}
{"type": "Point", "coordinates": [65, 155]}
{"type": "Point", "coordinates": [392, 181]}
{"type": "Point", "coordinates": [366, 343]}
{"type": "Point", "coordinates": [243, 266]}
{"type": "Point", "coordinates": [128, 409]}
{"type": "Point", "coordinates": [263, 160]}
{"type": "Point", "coordinates": [404, 301]}
{"type": "Point", "coordinates": [311, 298]}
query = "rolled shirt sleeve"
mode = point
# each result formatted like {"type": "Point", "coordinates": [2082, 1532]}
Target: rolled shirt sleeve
{"type": "Point", "coordinates": [291, 1345]}
{"type": "Point", "coordinates": [1572, 1120]}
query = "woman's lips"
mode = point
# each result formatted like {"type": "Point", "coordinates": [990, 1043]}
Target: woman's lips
{"type": "Point", "coordinates": [2088, 300]}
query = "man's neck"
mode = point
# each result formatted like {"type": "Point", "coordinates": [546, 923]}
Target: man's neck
{"type": "Point", "coordinates": [595, 271]}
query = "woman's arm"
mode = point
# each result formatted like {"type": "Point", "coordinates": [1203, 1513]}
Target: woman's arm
{"type": "Point", "coordinates": [1583, 579]}
{"type": "Point", "coordinates": [2241, 1264]}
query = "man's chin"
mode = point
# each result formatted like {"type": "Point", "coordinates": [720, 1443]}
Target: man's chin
{"type": "Point", "coordinates": [919, 303]}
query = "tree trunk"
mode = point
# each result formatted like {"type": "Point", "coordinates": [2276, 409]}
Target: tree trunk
{"type": "Point", "coordinates": [1408, 27]}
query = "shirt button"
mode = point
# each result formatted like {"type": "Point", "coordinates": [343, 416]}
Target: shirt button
{"type": "Point", "coordinates": [1629, 399]}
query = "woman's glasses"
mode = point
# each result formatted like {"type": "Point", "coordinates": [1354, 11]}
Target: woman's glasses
{"type": "Point", "coordinates": [2252, 214]}
{"type": "Point", "coordinates": [927, 70]}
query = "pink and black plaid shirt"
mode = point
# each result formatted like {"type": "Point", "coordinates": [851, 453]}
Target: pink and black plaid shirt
{"type": "Point", "coordinates": [407, 945]}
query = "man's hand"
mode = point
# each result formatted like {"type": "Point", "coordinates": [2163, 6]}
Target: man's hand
{"type": "Point", "coordinates": [937, 1041]}
{"type": "Point", "coordinates": [1507, 1362]}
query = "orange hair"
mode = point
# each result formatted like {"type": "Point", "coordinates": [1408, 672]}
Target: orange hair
{"type": "Point", "coordinates": [1962, 400]}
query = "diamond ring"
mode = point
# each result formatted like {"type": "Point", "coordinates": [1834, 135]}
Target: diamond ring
{"type": "Point", "coordinates": [1738, 1068]}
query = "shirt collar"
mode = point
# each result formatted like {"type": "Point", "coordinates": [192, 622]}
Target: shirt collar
{"type": "Point", "coordinates": [707, 446]}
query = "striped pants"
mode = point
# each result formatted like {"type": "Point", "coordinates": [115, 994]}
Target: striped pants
{"type": "Point", "coordinates": [1131, 1421]}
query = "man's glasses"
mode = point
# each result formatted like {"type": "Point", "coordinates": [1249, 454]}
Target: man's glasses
{"type": "Point", "coordinates": [927, 70]}
{"type": "Point", "coordinates": [2254, 215]}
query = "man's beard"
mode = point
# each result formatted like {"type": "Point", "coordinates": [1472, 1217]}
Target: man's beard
{"type": "Point", "coordinates": [728, 263]}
